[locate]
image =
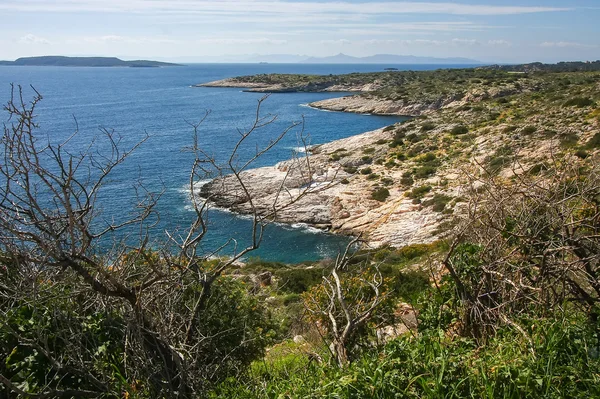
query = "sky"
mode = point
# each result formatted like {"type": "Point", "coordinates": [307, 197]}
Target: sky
{"type": "Point", "coordinates": [197, 30]}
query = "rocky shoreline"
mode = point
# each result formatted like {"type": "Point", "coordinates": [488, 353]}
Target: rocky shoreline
{"type": "Point", "coordinates": [396, 186]}
{"type": "Point", "coordinates": [332, 199]}
{"type": "Point", "coordinates": [264, 87]}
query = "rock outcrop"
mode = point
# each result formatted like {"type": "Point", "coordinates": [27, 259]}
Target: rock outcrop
{"type": "Point", "coordinates": [326, 196]}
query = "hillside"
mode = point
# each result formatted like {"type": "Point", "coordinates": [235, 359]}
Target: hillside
{"type": "Point", "coordinates": [84, 62]}
{"type": "Point", "coordinates": [402, 185]}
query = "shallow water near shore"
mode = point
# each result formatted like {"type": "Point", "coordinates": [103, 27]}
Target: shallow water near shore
{"type": "Point", "coordinates": [160, 102]}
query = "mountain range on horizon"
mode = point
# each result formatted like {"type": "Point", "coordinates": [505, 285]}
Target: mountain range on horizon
{"type": "Point", "coordinates": [388, 59]}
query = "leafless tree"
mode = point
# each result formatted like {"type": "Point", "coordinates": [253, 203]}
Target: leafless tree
{"type": "Point", "coordinates": [50, 245]}
{"type": "Point", "coordinates": [343, 306]}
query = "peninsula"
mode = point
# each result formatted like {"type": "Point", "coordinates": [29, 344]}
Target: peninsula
{"type": "Point", "coordinates": [404, 184]}
{"type": "Point", "coordinates": [84, 62]}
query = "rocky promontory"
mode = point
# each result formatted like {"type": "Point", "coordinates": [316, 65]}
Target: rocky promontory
{"type": "Point", "coordinates": [410, 182]}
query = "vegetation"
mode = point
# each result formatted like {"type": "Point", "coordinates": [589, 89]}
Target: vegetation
{"type": "Point", "coordinates": [380, 194]}
{"type": "Point", "coordinates": [506, 305]}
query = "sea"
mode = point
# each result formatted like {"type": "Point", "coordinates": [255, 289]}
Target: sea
{"type": "Point", "coordinates": [161, 105]}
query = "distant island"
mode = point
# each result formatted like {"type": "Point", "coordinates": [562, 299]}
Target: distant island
{"type": "Point", "coordinates": [85, 62]}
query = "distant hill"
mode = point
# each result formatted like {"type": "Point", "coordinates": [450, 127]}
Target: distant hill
{"type": "Point", "coordinates": [84, 62]}
{"type": "Point", "coordinates": [388, 59]}
{"type": "Point", "coordinates": [575, 66]}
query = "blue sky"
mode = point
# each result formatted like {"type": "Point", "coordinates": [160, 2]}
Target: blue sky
{"type": "Point", "coordinates": [196, 30]}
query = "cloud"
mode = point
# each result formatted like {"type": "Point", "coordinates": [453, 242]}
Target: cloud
{"type": "Point", "coordinates": [125, 39]}
{"type": "Point", "coordinates": [271, 7]}
{"type": "Point", "coordinates": [568, 44]}
{"type": "Point", "coordinates": [464, 42]}
{"type": "Point", "coordinates": [499, 43]}
{"type": "Point", "coordinates": [242, 41]}
{"type": "Point", "coordinates": [33, 39]}
{"type": "Point", "coordinates": [336, 42]}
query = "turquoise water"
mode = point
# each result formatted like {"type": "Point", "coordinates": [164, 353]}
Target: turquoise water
{"type": "Point", "coordinates": [160, 102]}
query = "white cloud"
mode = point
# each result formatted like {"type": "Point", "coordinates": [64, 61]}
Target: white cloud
{"type": "Point", "coordinates": [33, 39]}
{"type": "Point", "coordinates": [336, 42]}
{"type": "Point", "coordinates": [111, 39]}
{"type": "Point", "coordinates": [568, 44]}
{"type": "Point", "coordinates": [262, 40]}
{"type": "Point", "coordinates": [465, 42]}
{"type": "Point", "coordinates": [241, 7]}
{"type": "Point", "coordinates": [499, 43]}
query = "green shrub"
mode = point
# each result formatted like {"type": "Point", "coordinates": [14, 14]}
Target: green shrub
{"type": "Point", "coordinates": [407, 179]}
{"type": "Point", "coordinates": [594, 142]}
{"type": "Point", "coordinates": [427, 126]}
{"type": "Point", "coordinates": [527, 130]}
{"type": "Point", "coordinates": [380, 194]}
{"type": "Point", "coordinates": [419, 192]}
{"type": "Point", "coordinates": [579, 102]}
{"type": "Point", "coordinates": [438, 202]}
{"type": "Point", "coordinates": [297, 280]}
{"type": "Point", "coordinates": [459, 130]}
{"type": "Point", "coordinates": [366, 171]}
{"type": "Point", "coordinates": [425, 171]}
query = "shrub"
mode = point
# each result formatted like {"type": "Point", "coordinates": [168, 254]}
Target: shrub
{"type": "Point", "coordinates": [579, 102]}
{"type": "Point", "coordinates": [427, 126]}
{"type": "Point", "coordinates": [594, 142]}
{"type": "Point", "coordinates": [366, 171]}
{"type": "Point", "coordinates": [459, 130]}
{"type": "Point", "coordinates": [529, 130]}
{"type": "Point", "coordinates": [407, 179]}
{"type": "Point", "coordinates": [419, 192]}
{"type": "Point", "coordinates": [438, 202]}
{"type": "Point", "coordinates": [380, 194]}
{"type": "Point", "coordinates": [425, 171]}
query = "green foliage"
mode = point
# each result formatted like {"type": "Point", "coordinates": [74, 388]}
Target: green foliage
{"type": "Point", "coordinates": [427, 126]}
{"type": "Point", "coordinates": [594, 142]}
{"type": "Point", "coordinates": [579, 102]}
{"type": "Point", "coordinates": [380, 194]}
{"type": "Point", "coordinates": [459, 130]}
{"type": "Point", "coordinates": [555, 363]}
{"type": "Point", "coordinates": [407, 179]}
{"type": "Point", "coordinates": [418, 192]}
{"type": "Point", "coordinates": [298, 280]}
{"type": "Point", "coordinates": [425, 171]}
{"type": "Point", "coordinates": [438, 202]}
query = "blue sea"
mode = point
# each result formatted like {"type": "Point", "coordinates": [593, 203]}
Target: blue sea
{"type": "Point", "coordinates": [161, 103]}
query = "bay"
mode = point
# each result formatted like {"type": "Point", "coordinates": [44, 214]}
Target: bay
{"type": "Point", "coordinates": [161, 103]}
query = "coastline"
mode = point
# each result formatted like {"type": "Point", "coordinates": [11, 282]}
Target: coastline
{"type": "Point", "coordinates": [337, 201]}
{"type": "Point", "coordinates": [341, 202]}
